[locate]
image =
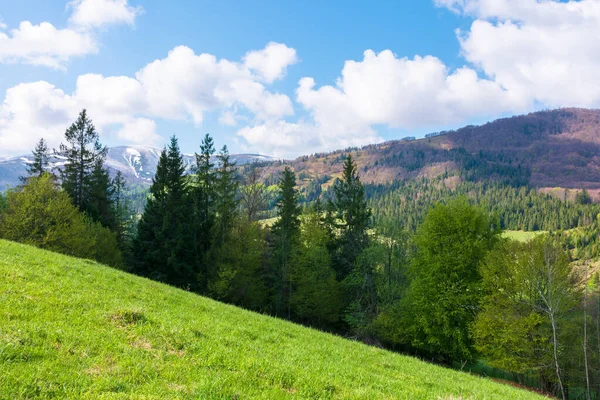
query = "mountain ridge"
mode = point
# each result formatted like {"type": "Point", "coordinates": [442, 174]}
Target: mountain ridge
{"type": "Point", "coordinates": [136, 163]}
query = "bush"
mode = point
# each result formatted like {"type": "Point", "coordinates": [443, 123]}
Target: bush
{"type": "Point", "coordinates": [41, 215]}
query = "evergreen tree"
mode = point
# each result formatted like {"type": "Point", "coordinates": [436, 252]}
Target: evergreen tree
{"type": "Point", "coordinates": [40, 162]}
{"type": "Point", "coordinates": [122, 213]}
{"type": "Point", "coordinates": [163, 247]}
{"type": "Point", "coordinates": [204, 204]}
{"type": "Point", "coordinates": [354, 218]}
{"type": "Point", "coordinates": [226, 196]}
{"type": "Point", "coordinates": [84, 153]}
{"type": "Point", "coordinates": [285, 234]}
{"type": "Point", "coordinates": [99, 205]}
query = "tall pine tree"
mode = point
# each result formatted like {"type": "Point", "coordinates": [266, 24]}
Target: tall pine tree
{"type": "Point", "coordinates": [40, 163]}
{"type": "Point", "coordinates": [84, 153]}
{"type": "Point", "coordinates": [163, 247]}
{"type": "Point", "coordinates": [226, 199]}
{"type": "Point", "coordinates": [204, 204]}
{"type": "Point", "coordinates": [285, 234]}
{"type": "Point", "coordinates": [354, 218]}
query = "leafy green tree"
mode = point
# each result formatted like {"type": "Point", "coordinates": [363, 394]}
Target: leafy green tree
{"type": "Point", "coordinates": [285, 232]}
{"type": "Point", "coordinates": [445, 288]}
{"type": "Point", "coordinates": [40, 215]}
{"type": "Point", "coordinates": [239, 277]}
{"type": "Point", "coordinates": [84, 153]}
{"type": "Point", "coordinates": [530, 293]}
{"type": "Point", "coordinates": [40, 162]}
{"type": "Point", "coordinates": [163, 247]}
{"type": "Point", "coordinates": [317, 297]}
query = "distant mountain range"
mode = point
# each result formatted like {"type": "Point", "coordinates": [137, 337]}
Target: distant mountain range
{"type": "Point", "coordinates": [545, 150]}
{"type": "Point", "coordinates": [136, 163]}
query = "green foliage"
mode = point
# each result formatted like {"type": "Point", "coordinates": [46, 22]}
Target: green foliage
{"type": "Point", "coordinates": [528, 291]}
{"type": "Point", "coordinates": [517, 208]}
{"type": "Point", "coordinates": [73, 329]}
{"type": "Point", "coordinates": [226, 200]}
{"type": "Point", "coordinates": [317, 297]}
{"type": "Point", "coordinates": [40, 160]}
{"type": "Point", "coordinates": [41, 215]}
{"type": "Point", "coordinates": [354, 218]}
{"type": "Point", "coordinates": [163, 248]}
{"type": "Point", "coordinates": [583, 197]}
{"type": "Point", "coordinates": [445, 288]}
{"type": "Point", "coordinates": [239, 277]}
{"type": "Point", "coordinates": [285, 232]}
{"type": "Point", "coordinates": [84, 153]}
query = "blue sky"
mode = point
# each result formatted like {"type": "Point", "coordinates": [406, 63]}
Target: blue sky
{"type": "Point", "coordinates": [432, 65]}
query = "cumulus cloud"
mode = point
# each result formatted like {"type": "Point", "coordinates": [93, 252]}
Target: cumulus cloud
{"type": "Point", "coordinates": [38, 109]}
{"type": "Point", "coordinates": [544, 51]}
{"type": "Point", "coordinates": [181, 86]}
{"type": "Point", "coordinates": [44, 45]}
{"type": "Point", "coordinates": [271, 62]}
{"type": "Point", "coordinates": [98, 13]}
{"type": "Point", "coordinates": [185, 84]}
{"type": "Point", "coordinates": [381, 89]}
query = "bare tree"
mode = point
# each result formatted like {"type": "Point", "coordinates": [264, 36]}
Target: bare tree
{"type": "Point", "coordinates": [253, 193]}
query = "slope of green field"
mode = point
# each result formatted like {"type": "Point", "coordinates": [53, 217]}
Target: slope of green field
{"type": "Point", "coordinates": [72, 329]}
{"type": "Point", "coordinates": [521, 236]}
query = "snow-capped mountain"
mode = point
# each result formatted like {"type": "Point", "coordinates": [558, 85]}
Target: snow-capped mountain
{"type": "Point", "coordinates": [136, 163]}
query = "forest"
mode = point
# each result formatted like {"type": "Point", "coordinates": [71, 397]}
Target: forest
{"type": "Point", "coordinates": [412, 266]}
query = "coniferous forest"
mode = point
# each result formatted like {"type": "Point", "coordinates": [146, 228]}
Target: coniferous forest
{"type": "Point", "coordinates": [412, 266]}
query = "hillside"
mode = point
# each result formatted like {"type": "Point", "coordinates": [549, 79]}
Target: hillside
{"type": "Point", "coordinates": [546, 149]}
{"type": "Point", "coordinates": [71, 328]}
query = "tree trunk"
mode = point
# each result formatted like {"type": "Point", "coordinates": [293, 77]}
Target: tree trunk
{"type": "Point", "coordinates": [555, 348]}
{"type": "Point", "coordinates": [587, 373]}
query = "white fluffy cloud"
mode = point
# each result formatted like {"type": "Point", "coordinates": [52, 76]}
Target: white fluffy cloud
{"type": "Point", "coordinates": [38, 109]}
{"type": "Point", "coordinates": [185, 84]}
{"type": "Point", "coordinates": [181, 86]}
{"type": "Point", "coordinates": [97, 13]}
{"type": "Point", "coordinates": [544, 51]}
{"type": "Point", "coordinates": [520, 54]}
{"type": "Point", "coordinates": [271, 62]}
{"type": "Point", "coordinates": [382, 89]}
{"type": "Point", "coordinates": [44, 44]}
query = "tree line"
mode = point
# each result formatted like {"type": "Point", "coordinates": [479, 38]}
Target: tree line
{"type": "Point", "coordinates": [451, 290]}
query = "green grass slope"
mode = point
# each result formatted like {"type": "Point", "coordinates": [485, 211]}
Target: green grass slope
{"type": "Point", "coordinates": [74, 329]}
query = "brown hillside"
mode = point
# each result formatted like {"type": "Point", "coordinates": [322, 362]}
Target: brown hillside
{"type": "Point", "coordinates": [558, 148]}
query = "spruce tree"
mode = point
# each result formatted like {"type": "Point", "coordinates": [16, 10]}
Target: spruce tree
{"type": "Point", "coordinates": [122, 212]}
{"type": "Point", "coordinates": [163, 247]}
{"type": "Point", "coordinates": [354, 217]}
{"type": "Point", "coordinates": [83, 152]}
{"type": "Point", "coordinates": [100, 192]}
{"type": "Point", "coordinates": [204, 204]}
{"type": "Point", "coordinates": [285, 233]}
{"type": "Point", "coordinates": [226, 201]}
{"type": "Point", "coordinates": [40, 162]}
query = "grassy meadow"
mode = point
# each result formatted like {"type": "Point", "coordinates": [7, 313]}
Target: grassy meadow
{"type": "Point", "coordinates": [75, 329]}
